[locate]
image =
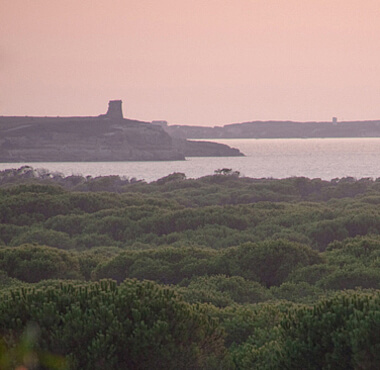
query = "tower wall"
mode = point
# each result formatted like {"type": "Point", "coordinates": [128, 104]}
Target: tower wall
{"type": "Point", "coordinates": [114, 109]}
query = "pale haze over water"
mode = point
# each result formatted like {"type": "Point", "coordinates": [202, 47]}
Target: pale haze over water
{"type": "Point", "coordinates": [277, 158]}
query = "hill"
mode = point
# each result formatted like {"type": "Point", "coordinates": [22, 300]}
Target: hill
{"type": "Point", "coordinates": [107, 137]}
{"type": "Point", "coordinates": [279, 129]}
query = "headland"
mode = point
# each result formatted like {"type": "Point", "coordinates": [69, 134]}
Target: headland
{"type": "Point", "coordinates": [107, 137]}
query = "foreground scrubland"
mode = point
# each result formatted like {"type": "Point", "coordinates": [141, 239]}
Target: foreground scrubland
{"type": "Point", "coordinates": [220, 272]}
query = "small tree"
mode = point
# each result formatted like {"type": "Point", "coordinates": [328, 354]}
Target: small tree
{"type": "Point", "coordinates": [227, 171]}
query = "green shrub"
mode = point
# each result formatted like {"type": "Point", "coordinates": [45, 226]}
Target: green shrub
{"type": "Point", "coordinates": [137, 325]}
{"type": "Point", "coordinates": [351, 277]}
{"type": "Point", "coordinates": [32, 263]}
{"type": "Point", "coordinates": [221, 290]}
{"type": "Point", "coordinates": [41, 236]}
{"type": "Point", "coordinates": [310, 274]}
{"type": "Point", "coordinates": [338, 333]}
{"type": "Point", "coordinates": [297, 292]}
{"type": "Point", "coordinates": [269, 262]}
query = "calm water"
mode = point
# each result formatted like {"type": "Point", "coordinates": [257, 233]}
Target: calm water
{"type": "Point", "coordinates": [277, 158]}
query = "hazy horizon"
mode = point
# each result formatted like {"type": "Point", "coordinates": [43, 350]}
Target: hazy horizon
{"type": "Point", "coordinates": [192, 62]}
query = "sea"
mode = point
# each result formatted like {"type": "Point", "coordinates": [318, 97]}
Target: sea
{"type": "Point", "coordinates": [326, 158]}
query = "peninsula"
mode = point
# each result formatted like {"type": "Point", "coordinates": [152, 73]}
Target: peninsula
{"type": "Point", "coordinates": [279, 129]}
{"type": "Point", "coordinates": [107, 137]}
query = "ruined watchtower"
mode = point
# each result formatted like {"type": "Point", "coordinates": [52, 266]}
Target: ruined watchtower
{"type": "Point", "coordinates": [114, 109]}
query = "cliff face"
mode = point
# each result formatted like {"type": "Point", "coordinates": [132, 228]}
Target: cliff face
{"type": "Point", "coordinates": [36, 139]}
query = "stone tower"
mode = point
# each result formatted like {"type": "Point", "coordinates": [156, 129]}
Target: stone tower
{"type": "Point", "coordinates": [114, 109]}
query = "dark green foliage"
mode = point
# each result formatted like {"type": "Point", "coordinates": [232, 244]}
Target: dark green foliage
{"type": "Point", "coordinates": [258, 321]}
{"type": "Point", "coordinates": [132, 326]}
{"type": "Point", "coordinates": [269, 262]}
{"type": "Point", "coordinates": [90, 259]}
{"type": "Point", "coordinates": [191, 219]}
{"type": "Point", "coordinates": [87, 241]}
{"type": "Point", "coordinates": [247, 190]}
{"type": "Point", "coordinates": [339, 333]}
{"type": "Point", "coordinates": [326, 231]}
{"type": "Point", "coordinates": [365, 222]}
{"type": "Point", "coordinates": [297, 292]}
{"type": "Point", "coordinates": [310, 274]}
{"type": "Point", "coordinates": [222, 291]}
{"type": "Point", "coordinates": [41, 236]}
{"type": "Point", "coordinates": [165, 265]}
{"type": "Point", "coordinates": [365, 250]}
{"type": "Point", "coordinates": [93, 202]}
{"type": "Point", "coordinates": [172, 212]}
{"type": "Point", "coordinates": [25, 208]}
{"type": "Point", "coordinates": [352, 263]}
{"type": "Point", "coordinates": [351, 277]}
{"type": "Point", "coordinates": [228, 242]}
{"type": "Point", "coordinates": [36, 188]}
{"type": "Point", "coordinates": [8, 282]}
{"type": "Point", "coordinates": [253, 333]}
{"type": "Point", "coordinates": [215, 211]}
{"type": "Point", "coordinates": [9, 232]}
{"type": "Point", "coordinates": [71, 224]}
{"type": "Point", "coordinates": [31, 263]}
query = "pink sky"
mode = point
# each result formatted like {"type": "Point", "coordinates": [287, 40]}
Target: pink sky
{"type": "Point", "coordinates": [198, 62]}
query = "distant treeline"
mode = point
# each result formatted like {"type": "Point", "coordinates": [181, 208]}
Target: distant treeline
{"type": "Point", "coordinates": [244, 273]}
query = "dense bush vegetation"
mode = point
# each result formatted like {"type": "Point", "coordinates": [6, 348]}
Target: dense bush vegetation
{"type": "Point", "coordinates": [339, 333]}
{"type": "Point", "coordinates": [248, 273]}
{"type": "Point", "coordinates": [137, 325]}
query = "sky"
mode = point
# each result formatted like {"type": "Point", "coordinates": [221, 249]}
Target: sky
{"type": "Point", "coordinates": [195, 62]}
